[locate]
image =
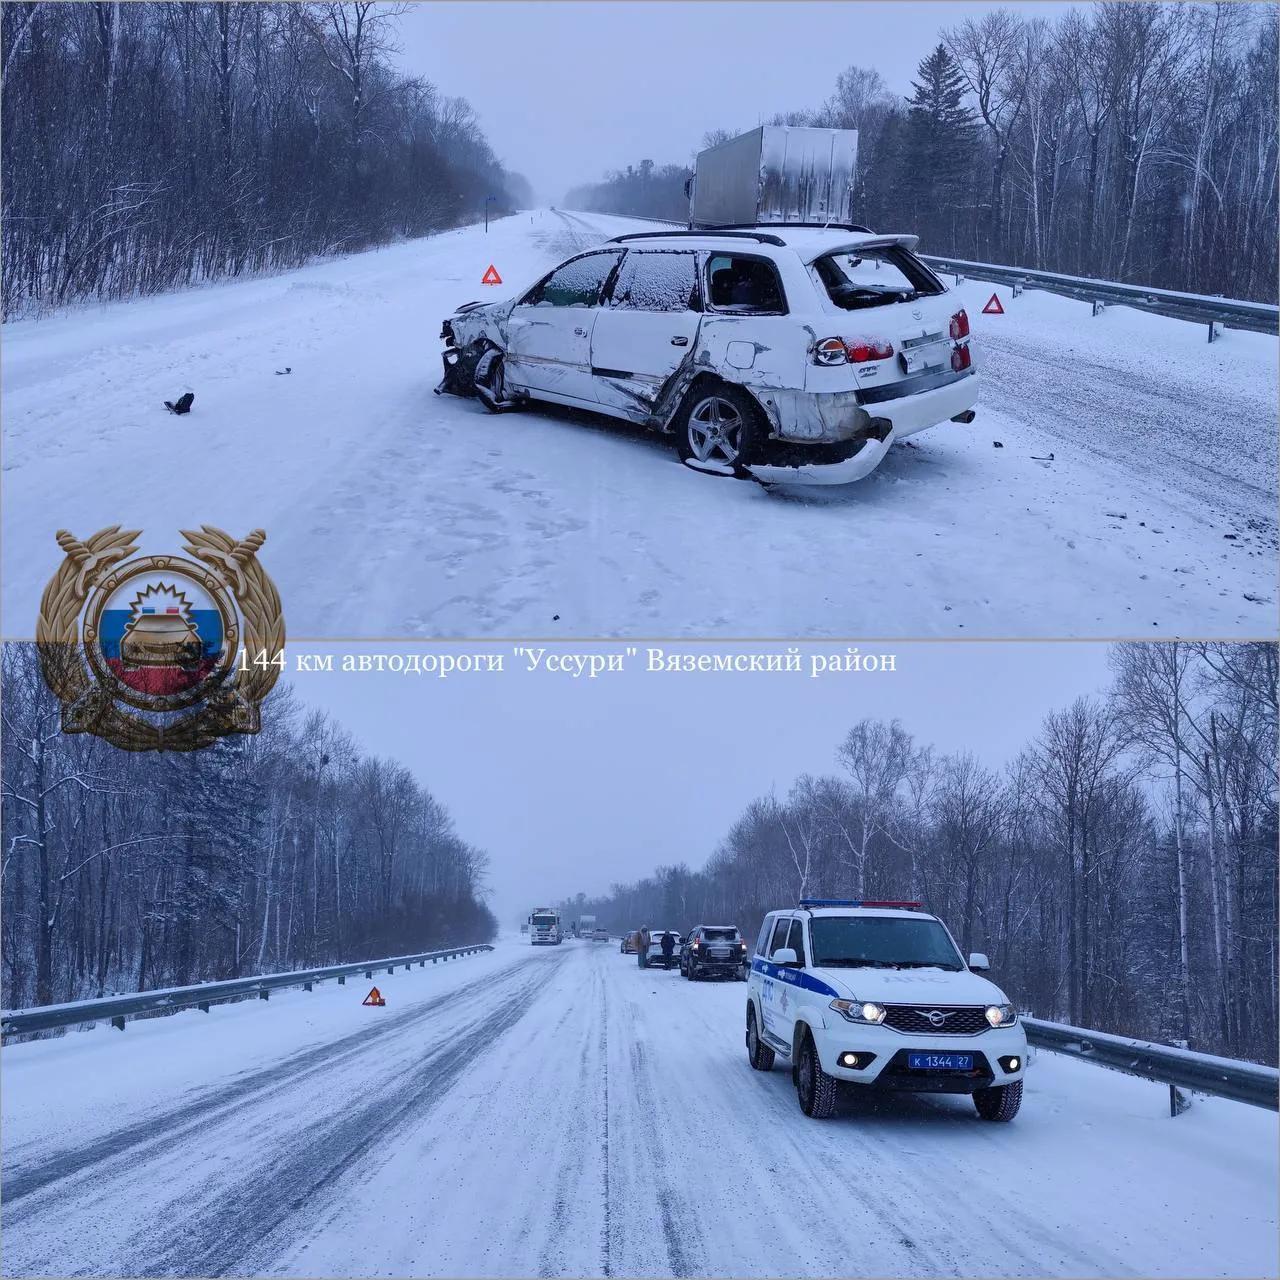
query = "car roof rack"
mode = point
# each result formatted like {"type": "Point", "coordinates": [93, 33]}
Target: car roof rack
{"type": "Point", "coordinates": [808, 226]}
{"type": "Point", "coordinates": [810, 903]}
{"type": "Point", "coordinates": [759, 236]}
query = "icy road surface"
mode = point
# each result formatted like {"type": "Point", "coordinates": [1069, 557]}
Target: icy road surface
{"type": "Point", "coordinates": [391, 512]}
{"type": "Point", "coordinates": [560, 1112]}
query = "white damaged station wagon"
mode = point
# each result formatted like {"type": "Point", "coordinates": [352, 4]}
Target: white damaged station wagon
{"type": "Point", "coordinates": [876, 995]}
{"type": "Point", "coordinates": [774, 339]}
{"type": "Point", "coordinates": [783, 353]}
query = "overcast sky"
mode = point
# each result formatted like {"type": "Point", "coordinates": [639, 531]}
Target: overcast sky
{"type": "Point", "coordinates": [571, 785]}
{"type": "Point", "coordinates": [566, 91]}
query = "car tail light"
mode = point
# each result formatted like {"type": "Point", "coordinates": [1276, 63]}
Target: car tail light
{"type": "Point", "coordinates": [960, 325]}
{"type": "Point", "coordinates": [830, 351]}
{"type": "Point", "coordinates": [868, 349]}
{"type": "Point", "coordinates": [960, 358]}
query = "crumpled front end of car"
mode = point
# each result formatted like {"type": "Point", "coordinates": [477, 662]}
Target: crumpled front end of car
{"type": "Point", "coordinates": [476, 327]}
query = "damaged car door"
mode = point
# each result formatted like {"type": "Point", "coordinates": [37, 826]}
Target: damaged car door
{"type": "Point", "coordinates": [549, 329]}
{"type": "Point", "coordinates": [646, 328]}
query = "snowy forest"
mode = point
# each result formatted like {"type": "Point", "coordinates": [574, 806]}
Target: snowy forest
{"type": "Point", "coordinates": [148, 146]}
{"type": "Point", "coordinates": [287, 850]}
{"type": "Point", "coordinates": [1127, 141]}
{"type": "Point", "coordinates": [1120, 872]}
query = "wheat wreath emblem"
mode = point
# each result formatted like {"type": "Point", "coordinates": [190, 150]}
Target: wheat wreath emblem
{"type": "Point", "coordinates": [229, 707]}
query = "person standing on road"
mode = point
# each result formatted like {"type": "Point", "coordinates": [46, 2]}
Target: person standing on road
{"type": "Point", "coordinates": [668, 947]}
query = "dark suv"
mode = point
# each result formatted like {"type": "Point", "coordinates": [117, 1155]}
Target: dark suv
{"type": "Point", "coordinates": [713, 950]}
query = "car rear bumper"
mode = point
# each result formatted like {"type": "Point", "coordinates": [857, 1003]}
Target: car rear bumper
{"type": "Point", "coordinates": [838, 440]}
{"type": "Point", "coordinates": [888, 1068]}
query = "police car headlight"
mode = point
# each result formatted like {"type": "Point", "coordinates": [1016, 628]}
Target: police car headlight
{"type": "Point", "coordinates": [1002, 1015]}
{"type": "Point", "coordinates": [858, 1010]}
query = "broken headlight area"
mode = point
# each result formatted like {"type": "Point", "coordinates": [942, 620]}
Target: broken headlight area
{"type": "Point", "coordinates": [459, 369]}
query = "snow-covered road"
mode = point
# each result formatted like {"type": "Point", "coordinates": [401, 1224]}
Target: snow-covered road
{"type": "Point", "coordinates": [394, 513]}
{"type": "Point", "coordinates": [560, 1112]}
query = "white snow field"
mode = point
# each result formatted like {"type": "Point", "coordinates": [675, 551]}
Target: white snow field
{"type": "Point", "coordinates": [391, 512]}
{"type": "Point", "coordinates": [560, 1112]}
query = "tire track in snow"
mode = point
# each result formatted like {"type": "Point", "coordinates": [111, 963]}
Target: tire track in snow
{"type": "Point", "coordinates": [160, 1131]}
{"type": "Point", "coordinates": [244, 1228]}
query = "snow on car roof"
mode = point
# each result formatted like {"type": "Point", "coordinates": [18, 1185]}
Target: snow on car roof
{"type": "Point", "coordinates": [807, 242]}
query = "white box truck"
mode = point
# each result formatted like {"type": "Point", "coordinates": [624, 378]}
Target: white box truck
{"type": "Point", "coordinates": [544, 927]}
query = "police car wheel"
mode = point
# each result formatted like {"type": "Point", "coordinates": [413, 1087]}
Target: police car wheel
{"type": "Point", "coordinates": [1001, 1102]}
{"type": "Point", "coordinates": [816, 1089]}
{"type": "Point", "coordinates": [758, 1053]}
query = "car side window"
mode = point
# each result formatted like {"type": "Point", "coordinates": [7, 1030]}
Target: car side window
{"type": "Point", "coordinates": [780, 936]}
{"type": "Point", "coordinates": [795, 939]}
{"type": "Point", "coordinates": [651, 281]}
{"type": "Point", "coordinates": [744, 286]}
{"type": "Point", "coordinates": [576, 284]}
{"type": "Point", "coordinates": [762, 942]}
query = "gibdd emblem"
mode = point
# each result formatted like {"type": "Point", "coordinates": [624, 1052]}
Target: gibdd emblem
{"type": "Point", "coordinates": [161, 635]}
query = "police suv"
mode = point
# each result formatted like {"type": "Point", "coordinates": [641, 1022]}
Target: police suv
{"type": "Point", "coordinates": [877, 994]}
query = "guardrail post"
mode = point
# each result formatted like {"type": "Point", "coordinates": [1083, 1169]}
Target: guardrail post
{"type": "Point", "coordinates": [1215, 330]}
{"type": "Point", "coordinates": [368, 973]}
{"type": "Point", "coordinates": [264, 993]}
{"type": "Point", "coordinates": [118, 1022]}
{"type": "Point", "coordinates": [203, 1006]}
{"type": "Point", "coordinates": [1017, 288]}
{"type": "Point", "coordinates": [1098, 307]}
{"type": "Point", "coordinates": [342, 979]}
{"type": "Point", "coordinates": [306, 986]}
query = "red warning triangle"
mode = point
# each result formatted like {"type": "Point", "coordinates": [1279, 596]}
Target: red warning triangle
{"type": "Point", "coordinates": [491, 276]}
{"type": "Point", "coordinates": [993, 307]}
{"type": "Point", "coordinates": [374, 997]}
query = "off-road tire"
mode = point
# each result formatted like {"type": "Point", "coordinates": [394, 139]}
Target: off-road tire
{"type": "Point", "coordinates": [749, 435]}
{"type": "Point", "coordinates": [816, 1090]}
{"type": "Point", "coordinates": [1000, 1102]}
{"type": "Point", "coordinates": [758, 1053]}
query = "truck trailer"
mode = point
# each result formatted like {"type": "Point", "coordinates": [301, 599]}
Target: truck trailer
{"type": "Point", "coordinates": [776, 175]}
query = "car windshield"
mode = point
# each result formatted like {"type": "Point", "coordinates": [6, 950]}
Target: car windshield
{"type": "Point", "coordinates": [875, 277]}
{"type": "Point", "coordinates": [720, 935]}
{"type": "Point", "coordinates": [882, 942]}
{"type": "Point", "coordinates": [544, 922]}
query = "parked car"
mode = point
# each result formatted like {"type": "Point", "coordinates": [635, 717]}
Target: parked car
{"type": "Point", "coordinates": [780, 353]}
{"type": "Point", "coordinates": [713, 951]}
{"type": "Point", "coordinates": [651, 955]}
{"type": "Point", "coordinates": [631, 942]}
{"type": "Point", "coordinates": [877, 995]}
{"type": "Point", "coordinates": [599, 935]}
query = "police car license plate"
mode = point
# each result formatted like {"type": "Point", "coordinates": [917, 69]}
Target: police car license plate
{"type": "Point", "coordinates": [940, 1061]}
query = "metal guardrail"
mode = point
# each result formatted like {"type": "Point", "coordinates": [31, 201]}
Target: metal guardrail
{"type": "Point", "coordinates": [204, 994]}
{"type": "Point", "coordinates": [1249, 1082]}
{"type": "Point", "coordinates": [1230, 313]}
{"type": "Point", "coordinates": [1233, 313]}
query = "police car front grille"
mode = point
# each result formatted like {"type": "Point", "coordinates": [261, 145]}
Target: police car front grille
{"type": "Point", "coordinates": [950, 1020]}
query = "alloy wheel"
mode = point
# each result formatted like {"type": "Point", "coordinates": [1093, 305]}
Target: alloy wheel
{"type": "Point", "coordinates": [715, 430]}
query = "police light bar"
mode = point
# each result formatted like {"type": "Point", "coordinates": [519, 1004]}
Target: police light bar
{"type": "Point", "coordinates": [850, 902]}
